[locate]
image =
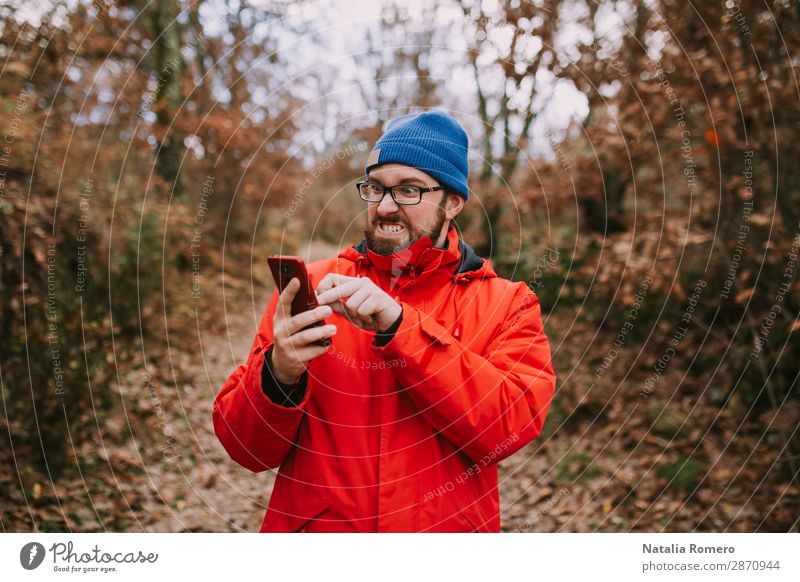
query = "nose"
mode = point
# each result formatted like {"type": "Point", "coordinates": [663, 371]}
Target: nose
{"type": "Point", "coordinates": [387, 206]}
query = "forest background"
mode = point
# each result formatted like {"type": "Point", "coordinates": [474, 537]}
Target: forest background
{"type": "Point", "coordinates": [634, 161]}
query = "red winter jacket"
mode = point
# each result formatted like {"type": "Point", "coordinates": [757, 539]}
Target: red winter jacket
{"type": "Point", "coordinates": [404, 437]}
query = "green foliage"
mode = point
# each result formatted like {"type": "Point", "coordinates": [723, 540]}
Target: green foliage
{"type": "Point", "coordinates": [575, 466]}
{"type": "Point", "coordinates": [683, 474]}
{"type": "Point", "coordinates": [667, 421]}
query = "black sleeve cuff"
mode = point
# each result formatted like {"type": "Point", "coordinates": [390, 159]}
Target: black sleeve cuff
{"type": "Point", "coordinates": [384, 337]}
{"type": "Point", "coordinates": [287, 395]}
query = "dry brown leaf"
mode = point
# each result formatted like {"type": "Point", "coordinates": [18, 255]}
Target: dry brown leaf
{"type": "Point", "coordinates": [744, 295]}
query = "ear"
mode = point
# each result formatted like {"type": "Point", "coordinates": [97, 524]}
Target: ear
{"type": "Point", "coordinates": [454, 204]}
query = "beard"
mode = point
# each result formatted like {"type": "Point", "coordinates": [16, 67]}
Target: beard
{"type": "Point", "coordinates": [386, 246]}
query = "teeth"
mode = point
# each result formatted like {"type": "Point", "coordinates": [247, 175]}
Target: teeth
{"type": "Point", "coordinates": [392, 227]}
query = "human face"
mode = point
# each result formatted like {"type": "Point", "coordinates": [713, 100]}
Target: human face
{"type": "Point", "coordinates": [391, 227]}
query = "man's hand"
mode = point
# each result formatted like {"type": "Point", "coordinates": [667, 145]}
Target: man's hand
{"type": "Point", "coordinates": [360, 300]}
{"type": "Point", "coordinates": [294, 347]}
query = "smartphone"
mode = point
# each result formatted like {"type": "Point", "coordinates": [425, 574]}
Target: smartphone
{"type": "Point", "coordinates": [285, 268]}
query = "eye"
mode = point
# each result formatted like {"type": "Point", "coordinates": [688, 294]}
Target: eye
{"type": "Point", "coordinates": [409, 191]}
{"type": "Point", "coordinates": [375, 188]}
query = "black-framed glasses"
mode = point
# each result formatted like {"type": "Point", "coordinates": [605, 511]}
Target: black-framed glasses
{"type": "Point", "coordinates": [401, 194]}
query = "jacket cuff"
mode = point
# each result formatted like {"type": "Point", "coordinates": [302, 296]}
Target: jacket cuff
{"type": "Point", "coordinates": [286, 395]}
{"type": "Point", "coordinates": [384, 337]}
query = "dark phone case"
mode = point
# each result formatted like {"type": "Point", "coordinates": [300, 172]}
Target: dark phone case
{"type": "Point", "coordinates": [285, 268]}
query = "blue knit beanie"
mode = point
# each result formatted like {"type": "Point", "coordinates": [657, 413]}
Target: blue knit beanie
{"type": "Point", "coordinates": [432, 142]}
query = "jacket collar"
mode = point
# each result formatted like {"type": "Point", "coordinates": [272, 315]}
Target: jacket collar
{"type": "Point", "coordinates": [422, 257]}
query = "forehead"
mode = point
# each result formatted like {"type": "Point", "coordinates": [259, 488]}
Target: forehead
{"type": "Point", "coordinates": [394, 173]}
